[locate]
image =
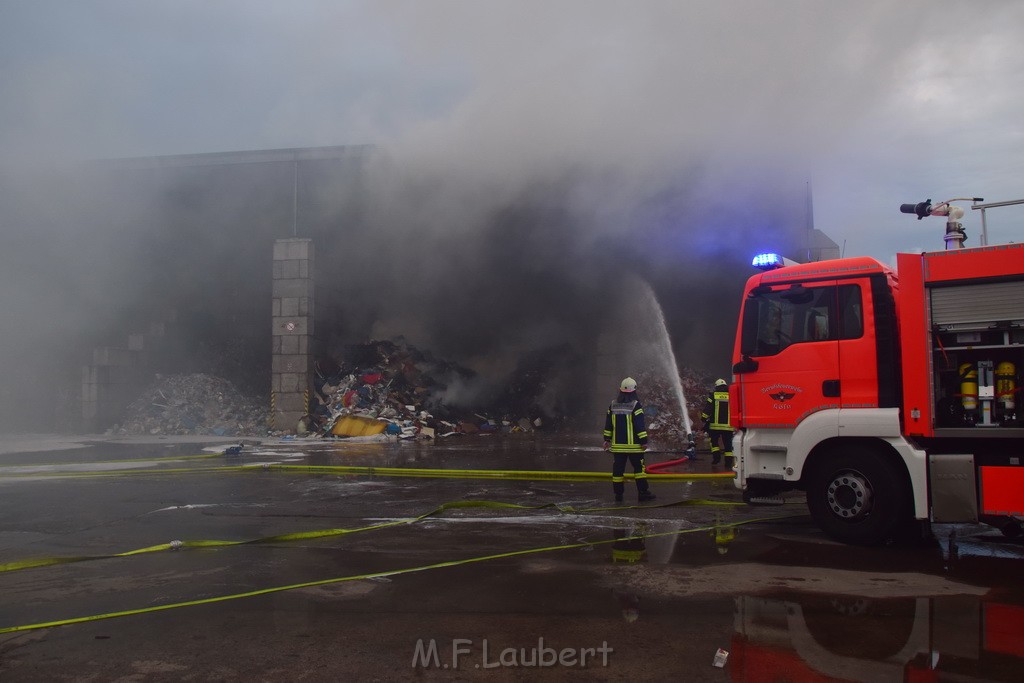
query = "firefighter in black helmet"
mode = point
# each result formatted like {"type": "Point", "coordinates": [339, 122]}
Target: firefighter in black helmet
{"type": "Point", "coordinates": [716, 423]}
{"type": "Point", "coordinates": [625, 435]}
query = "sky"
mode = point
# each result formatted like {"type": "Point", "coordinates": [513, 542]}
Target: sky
{"type": "Point", "coordinates": [876, 103]}
{"type": "Point", "coordinates": [576, 140]}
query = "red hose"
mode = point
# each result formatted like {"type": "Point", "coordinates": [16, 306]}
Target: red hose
{"type": "Point", "coordinates": [658, 466]}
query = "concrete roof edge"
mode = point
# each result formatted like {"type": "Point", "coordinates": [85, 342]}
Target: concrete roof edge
{"type": "Point", "coordinates": [295, 154]}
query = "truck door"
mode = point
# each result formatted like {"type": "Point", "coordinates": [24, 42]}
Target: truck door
{"type": "Point", "coordinates": [790, 345]}
{"type": "Point", "coordinates": [859, 352]}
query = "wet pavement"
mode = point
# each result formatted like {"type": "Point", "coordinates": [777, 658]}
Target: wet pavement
{"type": "Point", "coordinates": [526, 578]}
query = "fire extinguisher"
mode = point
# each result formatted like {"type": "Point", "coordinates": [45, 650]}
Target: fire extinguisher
{"type": "Point", "coordinates": [969, 390]}
{"type": "Point", "coordinates": [1006, 385]}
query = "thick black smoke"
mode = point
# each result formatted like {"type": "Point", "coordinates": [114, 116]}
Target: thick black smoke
{"type": "Point", "coordinates": [488, 279]}
{"type": "Point", "coordinates": [531, 157]}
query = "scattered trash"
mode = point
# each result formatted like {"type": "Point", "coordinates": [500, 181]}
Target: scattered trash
{"type": "Point", "coordinates": [665, 424]}
{"type": "Point", "coordinates": [193, 404]}
{"type": "Point", "coordinates": [356, 425]}
{"type": "Point", "coordinates": [392, 388]}
{"type": "Point", "coordinates": [720, 658]}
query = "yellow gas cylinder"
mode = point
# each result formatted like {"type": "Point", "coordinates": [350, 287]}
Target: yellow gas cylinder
{"type": "Point", "coordinates": [1006, 385]}
{"type": "Point", "coordinates": [969, 386]}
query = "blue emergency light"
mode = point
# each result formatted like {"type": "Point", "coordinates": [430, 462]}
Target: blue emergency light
{"type": "Point", "coordinates": [768, 261]}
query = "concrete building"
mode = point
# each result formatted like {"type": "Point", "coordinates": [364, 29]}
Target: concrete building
{"type": "Point", "coordinates": [212, 263]}
{"type": "Point", "coordinates": [168, 264]}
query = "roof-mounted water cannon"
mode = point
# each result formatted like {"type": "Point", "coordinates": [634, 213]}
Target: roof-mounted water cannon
{"type": "Point", "coordinates": [955, 235]}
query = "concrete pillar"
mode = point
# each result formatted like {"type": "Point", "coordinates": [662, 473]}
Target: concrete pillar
{"type": "Point", "coordinates": [292, 318]}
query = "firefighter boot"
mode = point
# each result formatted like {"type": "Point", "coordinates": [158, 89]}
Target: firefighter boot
{"type": "Point", "coordinates": [643, 490]}
{"type": "Point", "coordinates": [619, 488]}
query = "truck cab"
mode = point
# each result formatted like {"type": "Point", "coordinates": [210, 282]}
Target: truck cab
{"type": "Point", "coordinates": [814, 332]}
{"type": "Point", "coordinates": [842, 388]}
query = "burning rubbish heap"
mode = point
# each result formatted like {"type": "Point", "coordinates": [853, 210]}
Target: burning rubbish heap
{"type": "Point", "coordinates": [661, 404]}
{"type": "Point", "coordinates": [193, 404]}
{"type": "Point", "coordinates": [393, 388]}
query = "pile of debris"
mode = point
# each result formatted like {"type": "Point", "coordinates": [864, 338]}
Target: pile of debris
{"type": "Point", "coordinates": [393, 388]}
{"type": "Point", "coordinates": [664, 415]}
{"type": "Point", "coordinates": [384, 387]}
{"type": "Point", "coordinates": [192, 404]}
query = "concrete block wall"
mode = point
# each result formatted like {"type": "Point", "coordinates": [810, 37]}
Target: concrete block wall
{"type": "Point", "coordinates": [293, 330]}
{"type": "Point", "coordinates": [116, 375]}
{"type": "Point", "coordinates": [108, 385]}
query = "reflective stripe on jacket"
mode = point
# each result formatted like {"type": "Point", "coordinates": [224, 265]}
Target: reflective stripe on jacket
{"type": "Point", "coordinates": [624, 427]}
{"type": "Point", "coordinates": [716, 411]}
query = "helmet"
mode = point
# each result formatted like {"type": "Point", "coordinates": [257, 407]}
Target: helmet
{"type": "Point", "coordinates": [628, 385]}
{"type": "Point", "coordinates": [721, 383]}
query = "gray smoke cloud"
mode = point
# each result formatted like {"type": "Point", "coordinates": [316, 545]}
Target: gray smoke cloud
{"type": "Point", "coordinates": [532, 156]}
{"type": "Point", "coordinates": [600, 142]}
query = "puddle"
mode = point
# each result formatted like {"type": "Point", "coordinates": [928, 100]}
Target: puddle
{"type": "Point", "coordinates": [821, 638]}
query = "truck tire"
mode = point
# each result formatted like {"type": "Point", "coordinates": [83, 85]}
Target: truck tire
{"type": "Point", "coordinates": [857, 496]}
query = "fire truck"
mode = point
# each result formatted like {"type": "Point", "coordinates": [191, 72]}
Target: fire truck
{"type": "Point", "coordinates": [891, 397]}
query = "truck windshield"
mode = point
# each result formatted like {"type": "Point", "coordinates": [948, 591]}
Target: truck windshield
{"type": "Point", "coordinates": [775, 320]}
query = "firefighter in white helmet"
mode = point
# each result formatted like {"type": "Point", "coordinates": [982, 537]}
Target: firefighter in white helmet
{"type": "Point", "coordinates": [625, 435]}
{"type": "Point", "coordinates": [716, 423]}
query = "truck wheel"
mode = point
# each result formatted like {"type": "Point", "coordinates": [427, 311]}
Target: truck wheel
{"type": "Point", "coordinates": [857, 496]}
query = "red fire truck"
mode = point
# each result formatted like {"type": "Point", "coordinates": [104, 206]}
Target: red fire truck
{"type": "Point", "coordinates": [887, 396]}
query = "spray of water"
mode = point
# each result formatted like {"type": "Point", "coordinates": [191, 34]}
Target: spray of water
{"type": "Point", "coordinates": [662, 346]}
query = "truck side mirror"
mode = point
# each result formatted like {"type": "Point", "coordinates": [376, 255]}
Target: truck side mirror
{"type": "Point", "coordinates": [748, 364]}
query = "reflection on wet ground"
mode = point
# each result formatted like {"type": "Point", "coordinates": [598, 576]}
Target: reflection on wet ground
{"type": "Point", "coordinates": [382, 562]}
{"type": "Point", "coordinates": [828, 638]}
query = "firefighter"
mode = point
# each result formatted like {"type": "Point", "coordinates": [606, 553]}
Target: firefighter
{"type": "Point", "coordinates": [625, 435]}
{"type": "Point", "coordinates": [716, 423]}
